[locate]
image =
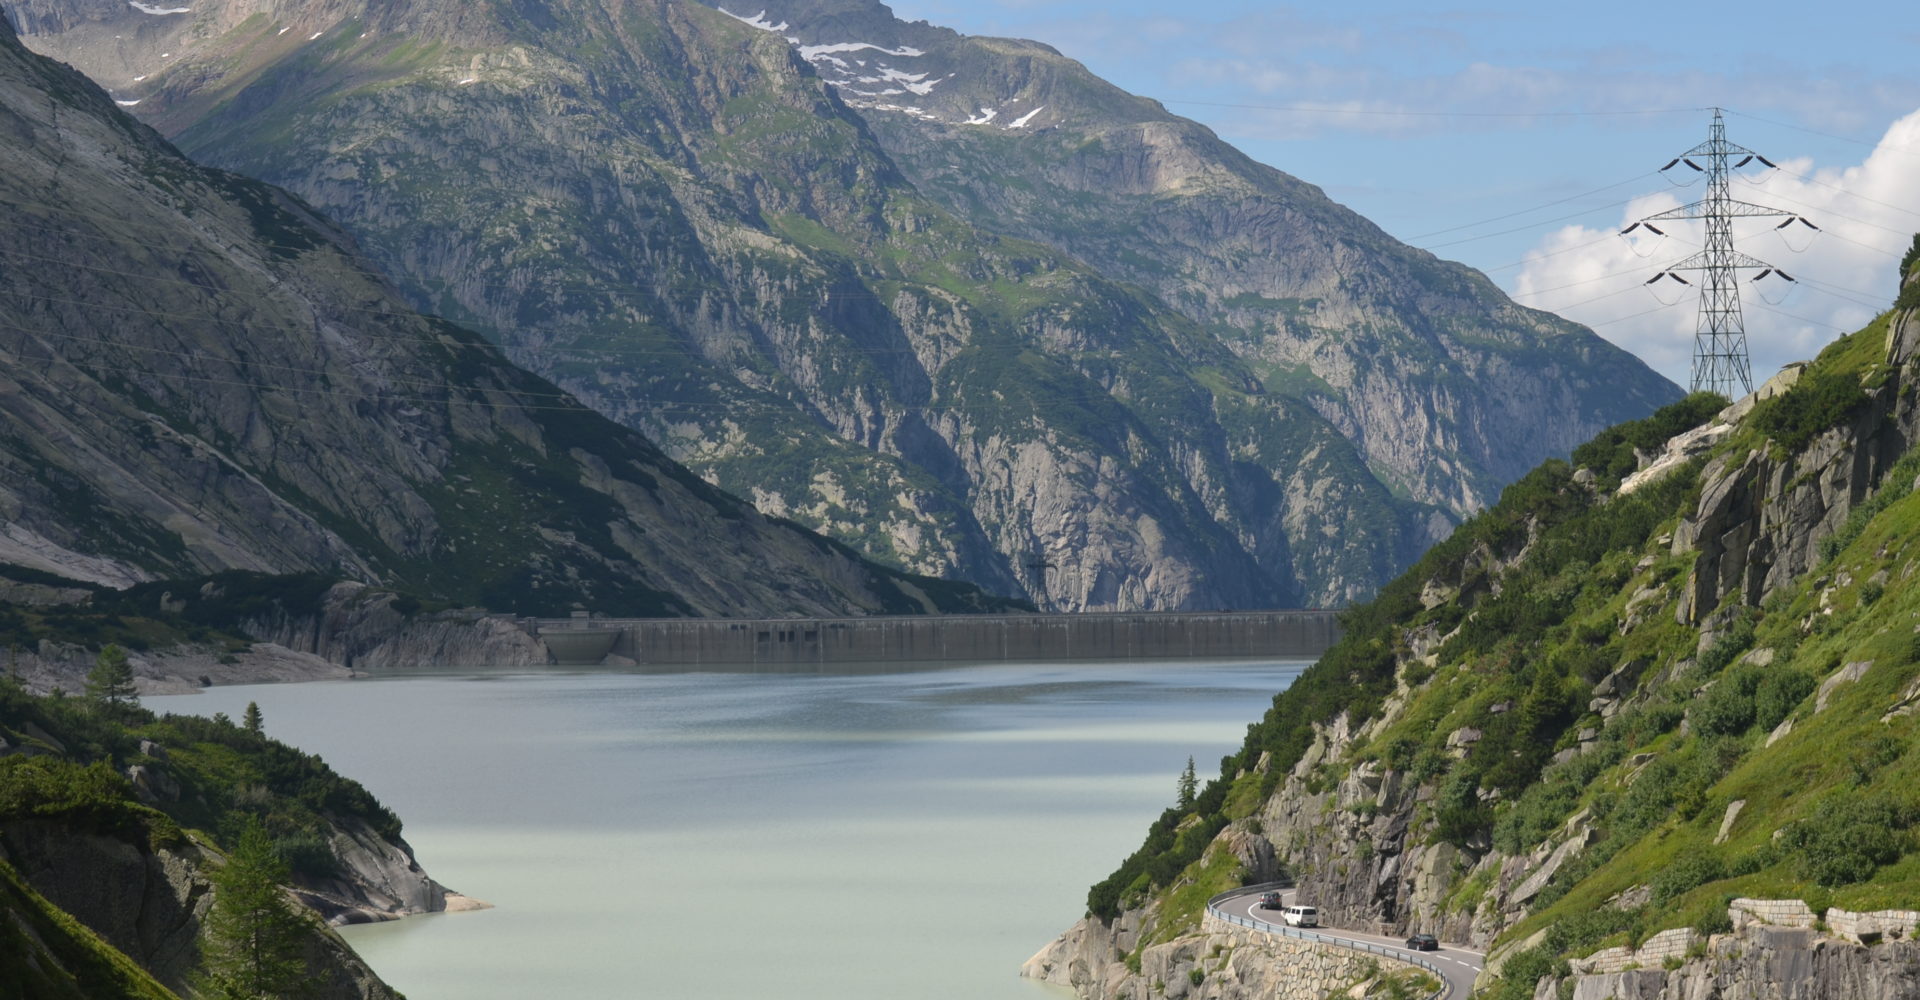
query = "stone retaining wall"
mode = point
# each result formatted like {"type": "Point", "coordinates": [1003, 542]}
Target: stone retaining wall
{"type": "Point", "coordinates": [1774, 912]}
{"type": "Point", "coordinates": [1878, 925]}
{"type": "Point", "coordinates": [1232, 962]}
{"type": "Point", "coordinates": [1670, 946]}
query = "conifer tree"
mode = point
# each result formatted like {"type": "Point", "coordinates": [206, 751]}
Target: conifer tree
{"type": "Point", "coordinates": [110, 682]}
{"type": "Point", "coordinates": [255, 937]}
{"type": "Point", "coordinates": [252, 720]}
{"type": "Point", "coordinates": [1189, 786]}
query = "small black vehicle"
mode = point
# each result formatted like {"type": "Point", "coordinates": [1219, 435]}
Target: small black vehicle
{"type": "Point", "coordinates": [1423, 942]}
{"type": "Point", "coordinates": [1270, 901]}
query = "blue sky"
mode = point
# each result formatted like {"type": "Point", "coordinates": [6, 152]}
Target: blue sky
{"type": "Point", "coordinates": [1425, 141]}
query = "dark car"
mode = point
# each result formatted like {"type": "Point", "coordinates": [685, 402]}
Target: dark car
{"type": "Point", "coordinates": [1423, 942]}
{"type": "Point", "coordinates": [1270, 901]}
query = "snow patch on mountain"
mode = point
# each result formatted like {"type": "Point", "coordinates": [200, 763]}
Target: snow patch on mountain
{"type": "Point", "coordinates": [758, 20]}
{"type": "Point", "coordinates": [153, 9]}
{"type": "Point", "coordinates": [902, 109]}
{"type": "Point", "coordinates": [985, 116]}
{"type": "Point", "coordinates": [1021, 122]}
{"type": "Point", "coordinates": [808, 52]}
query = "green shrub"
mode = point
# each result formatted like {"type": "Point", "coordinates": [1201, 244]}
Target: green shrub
{"type": "Point", "coordinates": [1821, 399]}
{"type": "Point", "coordinates": [1727, 647]}
{"type": "Point", "coordinates": [1780, 692]}
{"type": "Point", "coordinates": [1690, 869]}
{"type": "Point", "coordinates": [1728, 709]}
{"type": "Point", "coordinates": [1847, 838]}
{"type": "Point", "coordinates": [1610, 453]}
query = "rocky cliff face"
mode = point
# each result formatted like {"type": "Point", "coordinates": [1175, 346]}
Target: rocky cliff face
{"type": "Point", "coordinates": [1427, 368]}
{"type": "Point", "coordinates": [201, 375]}
{"type": "Point", "coordinates": [1567, 727]}
{"type": "Point", "coordinates": [743, 248]}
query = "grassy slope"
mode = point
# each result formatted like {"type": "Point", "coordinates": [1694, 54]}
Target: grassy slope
{"type": "Point", "coordinates": [1843, 785]}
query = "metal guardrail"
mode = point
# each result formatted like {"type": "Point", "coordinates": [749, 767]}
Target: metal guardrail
{"type": "Point", "coordinates": [1282, 930]}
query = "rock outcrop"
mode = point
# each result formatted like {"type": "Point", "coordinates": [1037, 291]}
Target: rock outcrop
{"type": "Point", "coordinates": [1757, 960]}
{"type": "Point", "coordinates": [1762, 519]}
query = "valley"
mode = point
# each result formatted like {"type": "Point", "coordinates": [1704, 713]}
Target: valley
{"type": "Point", "coordinates": [774, 497]}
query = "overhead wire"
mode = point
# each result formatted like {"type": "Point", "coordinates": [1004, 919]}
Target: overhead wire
{"type": "Point", "coordinates": [1836, 187]}
{"type": "Point", "coordinates": [1536, 208]}
{"type": "Point", "coordinates": [1382, 112]}
{"type": "Point", "coordinates": [1900, 148]}
{"type": "Point", "coordinates": [1531, 225]}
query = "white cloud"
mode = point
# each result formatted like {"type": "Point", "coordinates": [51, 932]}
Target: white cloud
{"type": "Point", "coordinates": [1867, 214]}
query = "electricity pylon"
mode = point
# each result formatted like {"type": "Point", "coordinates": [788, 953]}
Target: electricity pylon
{"type": "Point", "coordinates": [1720, 339]}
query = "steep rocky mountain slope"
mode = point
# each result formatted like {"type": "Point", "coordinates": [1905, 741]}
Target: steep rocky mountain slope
{"type": "Point", "coordinates": [199, 374]}
{"type": "Point", "coordinates": [1430, 370]}
{"type": "Point", "coordinates": [1650, 726]}
{"type": "Point", "coordinates": [672, 212]}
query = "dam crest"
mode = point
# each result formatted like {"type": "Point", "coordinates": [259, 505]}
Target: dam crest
{"type": "Point", "coordinates": [1170, 635]}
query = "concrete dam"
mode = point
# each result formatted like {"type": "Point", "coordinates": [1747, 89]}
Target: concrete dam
{"type": "Point", "coordinates": [1291, 634]}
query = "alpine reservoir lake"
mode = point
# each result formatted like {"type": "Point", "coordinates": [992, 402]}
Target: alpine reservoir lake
{"type": "Point", "coordinates": [891, 834]}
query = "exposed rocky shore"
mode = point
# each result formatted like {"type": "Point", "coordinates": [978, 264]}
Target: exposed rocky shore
{"type": "Point", "coordinates": [357, 628]}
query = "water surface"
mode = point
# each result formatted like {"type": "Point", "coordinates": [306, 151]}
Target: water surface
{"type": "Point", "coordinates": [753, 835]}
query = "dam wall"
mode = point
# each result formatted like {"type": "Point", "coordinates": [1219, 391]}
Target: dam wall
{"type": "Point", "coordinates": [1290, 634]}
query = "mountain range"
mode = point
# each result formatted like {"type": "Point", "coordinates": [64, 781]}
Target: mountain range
{"type": "Point", "coordinates": [202, 374]}
{"type": "Point", "coordinates": [953, 301]}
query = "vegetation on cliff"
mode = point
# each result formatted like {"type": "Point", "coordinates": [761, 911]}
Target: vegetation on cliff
{"type": "Point", "coordinates": [1595, 713]}
{"type": "Point", "coordinates": [167, 791]}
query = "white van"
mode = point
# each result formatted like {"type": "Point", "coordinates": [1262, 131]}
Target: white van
{"type": "Point", "coordinates": [1301, 916]}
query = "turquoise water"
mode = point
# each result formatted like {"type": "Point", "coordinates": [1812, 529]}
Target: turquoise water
{"type": "Point", "coordinates": [755, 835]}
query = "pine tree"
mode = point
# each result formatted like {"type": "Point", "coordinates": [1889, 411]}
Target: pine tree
{"type": "Point", "coordinates": [1189, 786]}
{"type": "Point", "coordinates": [251, 720]}
{"type": "Point", "coordinates": [255, 937]}
{"type": "Point", "coordinates": [110, 682]}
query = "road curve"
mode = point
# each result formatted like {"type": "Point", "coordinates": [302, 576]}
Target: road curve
{"type": "Point", "coordinates": [1459, 965]}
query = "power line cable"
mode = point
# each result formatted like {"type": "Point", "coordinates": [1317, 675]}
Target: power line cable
{"type": "Point", "coordinates": [1531, 225]}
{"type": "Point", "coordinates": [1527, 211]}
{"type": "Point", "coordinates": [1850, 194]}
{"type": "Point", "coordinates": [1381, 112]}
{"type": "Point", "coordinates": [1900, 148]}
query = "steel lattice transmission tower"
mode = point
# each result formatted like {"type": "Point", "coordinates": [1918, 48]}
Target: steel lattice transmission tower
{"type": "Point", "coordinates": [1720, 339]}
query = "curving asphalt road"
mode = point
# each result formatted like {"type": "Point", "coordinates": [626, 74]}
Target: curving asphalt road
{"type": "Point", "coordinates": [1459, 965]}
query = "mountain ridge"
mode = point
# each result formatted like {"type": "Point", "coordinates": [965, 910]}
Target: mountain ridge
{"type": "Point", "coordinates": [749, 277]}
{"type": "Point", "coordinates": [205, 376]}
